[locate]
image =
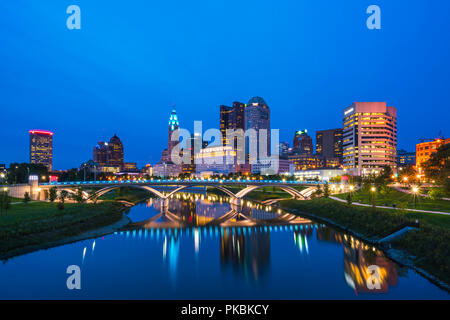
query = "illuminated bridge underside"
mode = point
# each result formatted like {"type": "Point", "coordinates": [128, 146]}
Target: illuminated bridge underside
{"type": "Point", "coordinates": [232, 218]}
{"type": "Point", "coordinates": [241, 194]}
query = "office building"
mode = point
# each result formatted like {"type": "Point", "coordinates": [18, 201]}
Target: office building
{"type": "Point", "coordinates": [329, 143]}
{"type": "Point", "coordinates": [109, 155]}
{"type": "Point", "coordinates": [405, 158]}
{"type": "Point", "coordinates": [171, 141]}
{"type": "Point", "coordinates": [231, 118]}
{"type": "Point", "coordinates": [306, 161]}
{"type": "Point", "coordinates": [115, 152]}
{"type": "Point", "coordinates": [283, 149]}
{"type": "Point", "coordinates": [41, 148]}
{"type": "Point", "coordinates": [217, 160]}
{"type": "Point", "coordinates": [257, 117]}
{"type": "Point", "coordinates": [369, 137]}
{"type": "Point", "coordinates": [270, 166]}
{"type": "Point", "coordinates": [302, 143]}
{"type": "Point", "coordinates": [101, 153]}
{"type": "Point", "coordinates": [424, 150]}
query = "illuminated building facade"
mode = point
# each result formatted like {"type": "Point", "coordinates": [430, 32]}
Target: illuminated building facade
{"type": "Point", "coordinates": [306, 161]}
{"type": "Point", "coordinates": [271, 166]}
{"type": "Point", "coordinates": [217, 160]}
{"type": "Point", "coordinates": [329, 143]}
{"type": "Point", "coordinates": [369, 137]}
{"type": "Point", "coordinates": [231, 118]}
{"type": "Point", "coordinates": [109, 155]}
{"type": "Point", "coordinates": [173, 126]}
{"type": "Point", "coordinates": [424, 150]}
{"type": "Point", "coordinates": [115, 152]}
{"type": "Point", "coordinates": [302, 143]}
{"type": "Point", "coordinates": [41, 148]}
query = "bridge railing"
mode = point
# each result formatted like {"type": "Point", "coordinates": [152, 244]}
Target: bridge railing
{"type": "Point", "coordinates": [193, 181]}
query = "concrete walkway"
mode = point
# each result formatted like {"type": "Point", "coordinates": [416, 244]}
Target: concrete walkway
{"type": "Point", "coordinates": [396, 187]}
{"type": "Point", "coordinates": [384, 207]}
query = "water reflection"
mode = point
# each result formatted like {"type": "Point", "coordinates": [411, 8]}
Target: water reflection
{"type": "Point", "coordinates": [358, 256]}
{"type": "Point", "coordinates": [182, 255]}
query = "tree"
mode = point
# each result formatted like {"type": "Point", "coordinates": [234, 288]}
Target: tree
{"type": "Point", "coordinates": [79, 195]}
{"type": "Point", "coordinates": [5, 202]}
{"type": "Point", "coordinates": [349, 198]}
{"type": "Point", "coordinates": [26, 198]}
{"type": "Point", "coordinates": [326, 190]}
{"type": "Point", "coordinates": [53, 194]}
{"type": "Point", "coordinates": [385, 175]}
{"type": "Point", "coordinates": [63, 195]}
{"type": "Point", "coordinates": [438, 166]}
{"type": "Point", "coordinates": [93, 196]}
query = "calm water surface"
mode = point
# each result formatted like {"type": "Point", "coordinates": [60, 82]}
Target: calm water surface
{"type": "Point", "coordinates": [183, 254]}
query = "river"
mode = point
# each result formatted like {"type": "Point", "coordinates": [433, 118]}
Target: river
{"type": "Point", "coordinates": [194, 250]}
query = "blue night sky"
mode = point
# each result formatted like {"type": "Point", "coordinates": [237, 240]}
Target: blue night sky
{"type": "Point", "coordinates": [132, 60]}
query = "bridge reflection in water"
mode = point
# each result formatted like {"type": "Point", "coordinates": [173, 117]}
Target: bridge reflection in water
{"type": "Point", "coordinates": [245, 244]}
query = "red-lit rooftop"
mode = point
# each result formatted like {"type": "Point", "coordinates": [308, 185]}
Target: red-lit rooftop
{"type": "Point", "coordinates": [35, 131]}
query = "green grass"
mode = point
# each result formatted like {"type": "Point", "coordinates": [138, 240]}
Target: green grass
{"type": "Point", "coordinates": [429, 245]}
{"type": "Point", "coordinates": [392, 196]}
{"type": "Point", "coordinates": [36, 223]}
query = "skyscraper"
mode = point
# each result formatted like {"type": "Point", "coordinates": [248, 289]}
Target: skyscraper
{"type": "Point", "coordinates": [369, 137]}
{"type": "Point", "coordinates": [41, 148]}
{"type": "Point", "coordinates": [257, 117]}
{"type": "Point", "coordinates": [173, 126]}
{"type": "Point", "coordinates": [231, 118]}
{"type": "Point", "coordinates": [329, 143]}
{"type": "Point", "coordinates": [302, 143]}
{"type": "Point", "coordinates": [115, 147]}
{"type": "Point", "coordinates": [101, 153]}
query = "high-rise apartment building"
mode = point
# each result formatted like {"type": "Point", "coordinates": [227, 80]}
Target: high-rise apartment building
{"type": "Point", "coordinates": [369, 137]}
{"type": "Point", "coordinates": [41, 148]}
{"type": "Point", "coordinates": [329, 143]}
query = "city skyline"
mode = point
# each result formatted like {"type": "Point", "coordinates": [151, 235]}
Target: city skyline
{"type": "Point", "coordinates": [313, 80]}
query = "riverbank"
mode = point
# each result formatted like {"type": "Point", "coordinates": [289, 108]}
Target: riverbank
{"type": "Point", "coordinates": [38, 225]}
{"type": "Point", "coordinates": [426, 250]}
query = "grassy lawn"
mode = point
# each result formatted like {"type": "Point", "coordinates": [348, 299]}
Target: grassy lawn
{"type": "Point", "coordinates": [401, 199]}
{"type": "Point", "coordinates": [38, 222]}
{"type": "Point", "coordinates": [429, 245]}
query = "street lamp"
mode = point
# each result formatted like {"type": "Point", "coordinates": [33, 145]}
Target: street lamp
{"type": "Point", "coordinates": [373, 190]}
{"type": "Point", "coordinates": [415, 191]}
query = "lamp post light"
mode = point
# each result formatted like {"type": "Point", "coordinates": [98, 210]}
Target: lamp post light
{"type": "Point", "coordinates": [415, 191]}
{"type": "Point", "coordinates": [373, 191]}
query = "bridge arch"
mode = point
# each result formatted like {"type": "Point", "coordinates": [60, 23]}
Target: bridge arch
{"type": "Point", "coordinates": [101, 192]}
{"type": "Point", "coordinates": [225, 190]}
{"type": "Point", "coordinates": [293, 192]}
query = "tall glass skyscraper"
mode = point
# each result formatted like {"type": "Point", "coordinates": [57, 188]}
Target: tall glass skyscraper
{"type": "Point", "coordinates": [257, 117]}
{"type": "Point", "coordinates": [41, 148]}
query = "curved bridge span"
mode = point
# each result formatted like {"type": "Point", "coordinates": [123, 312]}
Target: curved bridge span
{"type": "Point", "coordinates": [180, 184]}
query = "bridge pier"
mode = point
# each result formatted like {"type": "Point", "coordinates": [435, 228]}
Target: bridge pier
{"type": "Point", "coordinates": [236, 201]}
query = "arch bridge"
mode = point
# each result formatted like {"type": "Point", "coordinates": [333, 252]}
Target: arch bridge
{"type": "Point", "coordinates": [181, 184]}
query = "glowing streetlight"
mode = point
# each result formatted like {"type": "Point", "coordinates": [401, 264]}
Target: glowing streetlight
{"type": "Point", "coordinates": [415, 191]}
{"type": "Point", "coordinates": [373, 190]}
{"type": "Point", "coordinates": [352, 188]}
